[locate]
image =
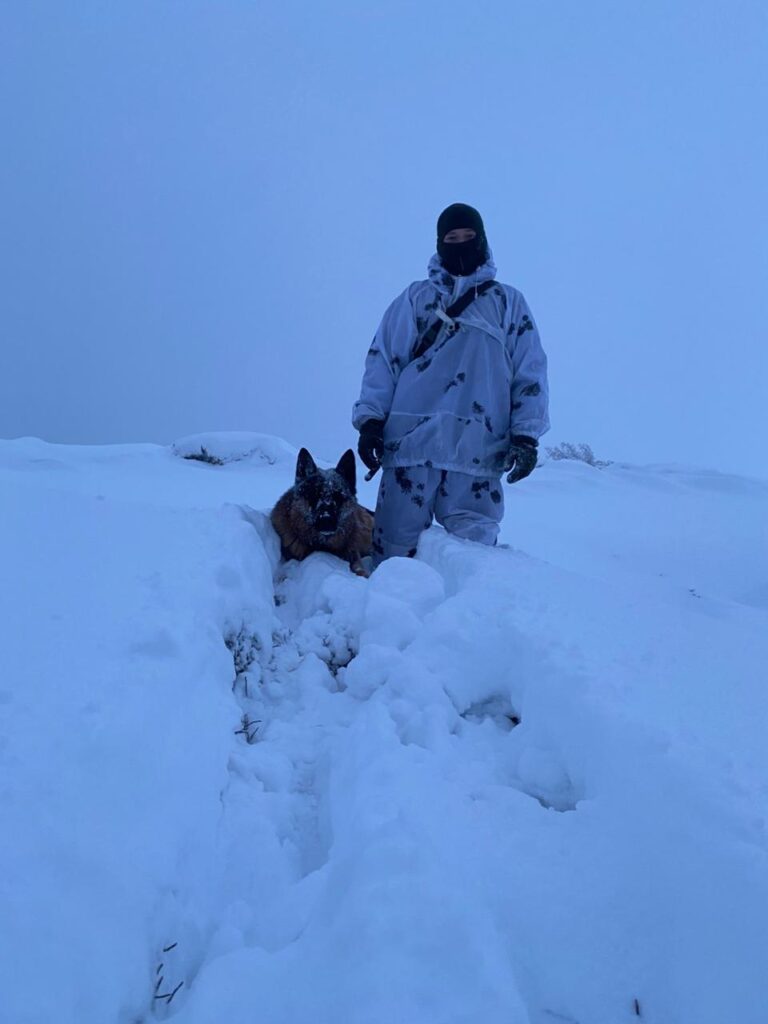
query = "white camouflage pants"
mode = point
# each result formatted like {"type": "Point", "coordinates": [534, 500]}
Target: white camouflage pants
{"type": "Point", "coordinates": [409, 497]}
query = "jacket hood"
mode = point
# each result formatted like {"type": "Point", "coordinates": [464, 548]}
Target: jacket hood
{"type": "Point", "coordinates": [452, 287]}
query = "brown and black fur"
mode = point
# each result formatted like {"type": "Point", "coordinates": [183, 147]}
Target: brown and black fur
{"type": "Point", "coordinates": [320, 513]}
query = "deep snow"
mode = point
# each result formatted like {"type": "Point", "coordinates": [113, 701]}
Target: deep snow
{"type": "Point", "coordinates": [305, 796]}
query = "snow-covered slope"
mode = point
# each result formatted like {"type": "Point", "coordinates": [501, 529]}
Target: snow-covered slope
{"type": "Point", "coordinates": [235, 791]}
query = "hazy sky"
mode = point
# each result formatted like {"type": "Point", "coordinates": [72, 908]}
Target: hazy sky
{"type": "Point", "coordinates": [206, 207]}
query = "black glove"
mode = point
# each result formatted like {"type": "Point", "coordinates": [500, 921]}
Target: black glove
{"type": "Point", "coordinates": [521, 457]}
{"type": "Point", "coordinates": [370, 446]}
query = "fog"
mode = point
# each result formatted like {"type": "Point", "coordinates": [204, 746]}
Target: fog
{"type": "Point", "coordinates": [206, 207]}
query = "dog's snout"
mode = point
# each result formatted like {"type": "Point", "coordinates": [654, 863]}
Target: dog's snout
{"type": "Point", "coordinates": [326, 513]}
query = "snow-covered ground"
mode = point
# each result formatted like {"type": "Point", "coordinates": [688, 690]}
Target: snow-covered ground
{"type": "Point", "coordinates": [234, 791]}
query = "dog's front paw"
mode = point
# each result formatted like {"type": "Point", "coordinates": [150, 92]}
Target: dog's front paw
{"type": "Point", "coordinates": [359, 568]}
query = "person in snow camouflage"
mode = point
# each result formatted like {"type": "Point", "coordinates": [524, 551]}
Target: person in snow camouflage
{"type": "Point", "coordinates": [443, 422]}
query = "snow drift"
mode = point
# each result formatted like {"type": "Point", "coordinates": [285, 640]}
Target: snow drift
{"type": "Point", "coordinates": [525, 784]}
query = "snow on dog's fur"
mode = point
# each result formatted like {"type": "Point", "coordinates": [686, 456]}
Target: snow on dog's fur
{"type": "Point", "coordinates": [320, 513]}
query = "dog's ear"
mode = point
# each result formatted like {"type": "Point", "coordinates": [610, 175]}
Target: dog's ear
{"type": "Point", "coordinates": [347, 470]}
{"type": "Point", "coordinates": [305, 465]}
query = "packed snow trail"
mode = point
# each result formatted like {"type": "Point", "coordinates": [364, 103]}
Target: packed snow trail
{"type": "Point", "coordinates": [284, 793]}
{"type": "Point", "coordinates": [445, 886]}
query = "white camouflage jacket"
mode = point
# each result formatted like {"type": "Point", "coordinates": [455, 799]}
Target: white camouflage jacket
{"type": "Point", "coordinates": [457, 406]}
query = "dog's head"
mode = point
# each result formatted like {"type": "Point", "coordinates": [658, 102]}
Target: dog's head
{"type": "Point", "coordinates": [326, 496]}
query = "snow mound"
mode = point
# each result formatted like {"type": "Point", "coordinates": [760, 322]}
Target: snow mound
{"type": "Point", "coordinates": [482, 786]}
{"type": "Point", "coordinates": [220, 448]}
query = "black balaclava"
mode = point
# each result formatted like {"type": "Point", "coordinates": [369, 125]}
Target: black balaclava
{"type": "Point", "coordinates": [461, 258]}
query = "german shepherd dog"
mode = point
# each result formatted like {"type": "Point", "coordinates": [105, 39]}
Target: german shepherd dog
{"type": "Point", "coordinates": [320, 513]}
